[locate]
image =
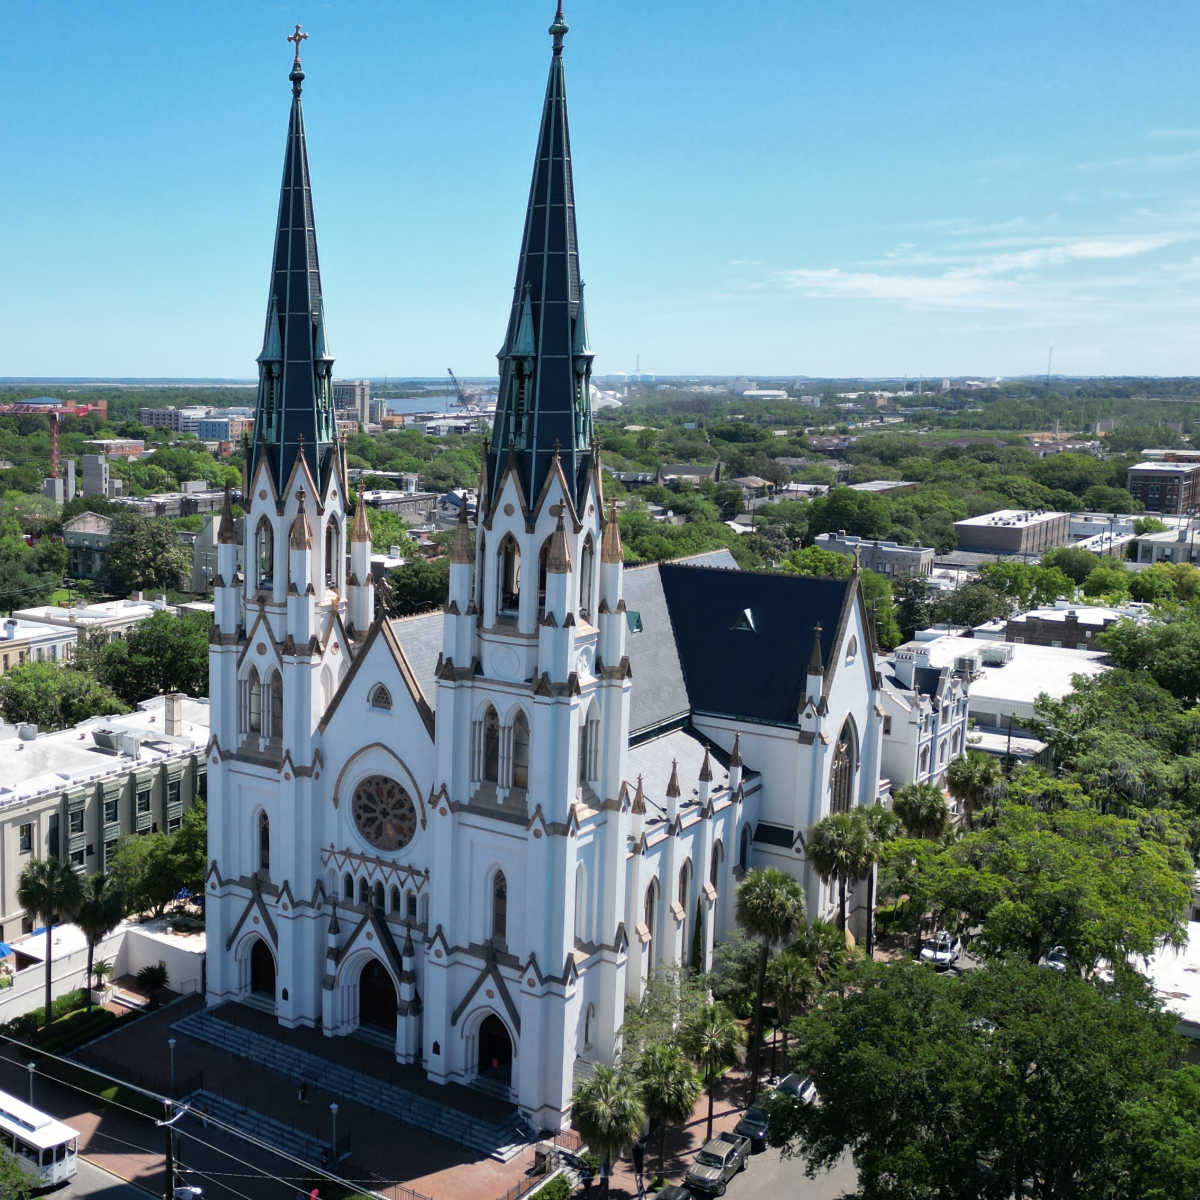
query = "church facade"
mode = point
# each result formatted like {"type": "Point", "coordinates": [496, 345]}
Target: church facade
{"type": "Point", "coordinates": [472, 836]}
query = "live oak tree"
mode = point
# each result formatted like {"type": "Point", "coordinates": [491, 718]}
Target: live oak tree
{"type": "Point", "coordinates": [145, 554]}
{"type": "Point", "coordinates": [1013, 1081]}
{"type": "Point", "coordinates": [165, 653]}
{"type": "Point", "coordinates": [54, 697]}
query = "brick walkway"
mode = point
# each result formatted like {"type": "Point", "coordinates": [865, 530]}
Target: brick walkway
{"type": "Point", "coordinates": [382, 1150]}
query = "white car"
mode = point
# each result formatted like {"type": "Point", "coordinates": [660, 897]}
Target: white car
{"type": "Point", "coordinates": [942, 950]}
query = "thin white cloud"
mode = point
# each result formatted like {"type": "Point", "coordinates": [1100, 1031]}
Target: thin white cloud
{"type": "Point", "coordinates": [1145, 162]}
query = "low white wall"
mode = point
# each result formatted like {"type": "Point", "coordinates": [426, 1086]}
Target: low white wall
{"type": "Point", "coordinates": [185, 968]}
{"type": "Point", "coordinates": [67, 971]}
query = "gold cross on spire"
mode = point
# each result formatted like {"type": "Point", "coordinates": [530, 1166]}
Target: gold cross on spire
{"type": "Point", "coordinates": [297, 37]}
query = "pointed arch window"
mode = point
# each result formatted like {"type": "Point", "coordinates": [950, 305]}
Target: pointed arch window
{"type": "Point", "coordinates": [364, 892]}
{"type": "Point", "coordinates": [841, 775]}
{"type": "Point", "coordinates": [380, 697]}
{"type": "Point", "coordinates": [264, 842]}
{"type": "Point", "coordinates": [491, 746]}
{"type": "Point", "coordinates": [543, 571]}
{"type": "Point", "coordinates": [714, 869]}
{"type": "Point", "coordinates": [411, 906]}
{"type": "Point", "coordinates": [276, 706]}
{"type": "Point", "coordinates": [589, 747]}
{"type": "Point", "coordinates": [499, 908]}
{"type": "Point", "coordinates": [520, 751]}
{"type": "Point", "coordinates": [685, 888]}
{"type": "Point", "coordinates": [264, 553]}
{"type": "Point", "coordinates": [581, 900]}
{"type": "Point", "coordinates": [333, 542]}
{"type": "Point", "coordinates": [394, 899]}
{"type": "Point", "coordinates": [254, 698]}
{"type": "Point", "coordinates": [509, 596]}
{"type": "Point", "coordinates": [377, 896]}
{"type": "Point", "coordinates": [744, 849]}
{"type": "Point", "coordinates": [650, 908]}
{"type": "Point", "coordinates": [587, 569]}
{"type": "Point", "coordinates": [348, 887]}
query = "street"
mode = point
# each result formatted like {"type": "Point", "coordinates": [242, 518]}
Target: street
{"type": "Point", "coordinates": [771, 1175]}
{"type": "Point", "coordinates": [95, 1184]}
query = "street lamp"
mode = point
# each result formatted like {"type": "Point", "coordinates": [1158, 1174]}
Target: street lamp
{"type": "Point", "coordinates": [31, 1068]}
{"type": "Point", "coordinates": [333, 1109]}
{"type": "Point", "coordinates": [171, 1048]}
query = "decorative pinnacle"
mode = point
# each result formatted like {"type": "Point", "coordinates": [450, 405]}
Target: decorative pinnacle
{"type": "Point", "coordinates": [557, 31]}
{"type": "Point", "coordinates": [673, 782]}
{"type": "Point", "coordinates": [297, 75]}
{"type": "Point", "coordinates": [610, 542]}
{"type": "Point", "coordinates": [361, 530]}
{"type": "Point", "coordinates": [227, 531]}
{"type": "Point", "coordinates": [816, 665]}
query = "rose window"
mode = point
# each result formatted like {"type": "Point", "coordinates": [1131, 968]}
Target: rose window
{"type": "Point", "coordinates": [384, 813]}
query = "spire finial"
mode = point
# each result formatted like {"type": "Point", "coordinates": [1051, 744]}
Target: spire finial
{"type": "Point", "coordinates": [557, 31]}
{"type": "Point", "coordinates": [297, 75]}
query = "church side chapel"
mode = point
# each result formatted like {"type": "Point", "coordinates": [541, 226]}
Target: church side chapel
{"type": "Point", "coordinates": [471, 836]}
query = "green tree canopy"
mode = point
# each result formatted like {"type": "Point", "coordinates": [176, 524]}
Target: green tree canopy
{"type": "Point", "coordinates": [54, 697]}
{"type": "Point", "coordinates": [164, 653]}
{"type": "Point", "coordinates": [421, 585]}
{"type": "Point", "coordinates": [145, 555]}
{"type": "Point", "coordinates": [1011, 1081]}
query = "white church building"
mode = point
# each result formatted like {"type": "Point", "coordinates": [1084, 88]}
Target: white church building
{"type": "Point", "coordinates": [471, 836]}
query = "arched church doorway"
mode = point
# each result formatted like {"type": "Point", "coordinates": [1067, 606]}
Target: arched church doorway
{"type": "Point", "coordinates": [495, 1051]}
{"type": "Point", "coordinates": [262, 971]}
{"type": "Point", "coordinates": [376, 998]}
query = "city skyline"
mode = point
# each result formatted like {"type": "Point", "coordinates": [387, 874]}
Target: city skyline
{"type": "Point", "coordinates": [865, 194]}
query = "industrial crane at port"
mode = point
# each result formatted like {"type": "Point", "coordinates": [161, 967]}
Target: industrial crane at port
{"type": "Point", "coordinates": [467, 398]}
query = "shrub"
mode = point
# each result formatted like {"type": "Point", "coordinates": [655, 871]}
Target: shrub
{"type": "Point", "coordinates": [152, 978]}
{"type": "Point", "coordinates": [559, 1188]}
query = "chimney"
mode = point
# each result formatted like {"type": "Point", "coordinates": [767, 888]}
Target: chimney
{"type": "Point", "coordinates": [174, 714]}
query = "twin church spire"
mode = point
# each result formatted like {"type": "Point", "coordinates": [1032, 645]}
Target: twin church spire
{"type": "Point", "coordinates": [544, 408]}
{"type": "Point", "coordinates": [295, 414]}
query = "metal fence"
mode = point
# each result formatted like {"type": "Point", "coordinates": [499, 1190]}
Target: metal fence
{"type": "Point", "coordinates": [553, 1151]}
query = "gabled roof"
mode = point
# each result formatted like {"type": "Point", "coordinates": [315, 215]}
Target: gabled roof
{"type": "Point", "coordinates": [750, 666]}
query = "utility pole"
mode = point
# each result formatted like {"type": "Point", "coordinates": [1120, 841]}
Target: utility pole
{"type": "Point", "coordinates": [169, 1192]}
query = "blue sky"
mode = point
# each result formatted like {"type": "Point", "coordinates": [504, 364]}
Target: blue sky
{"type": "Point", "coordinates": [778, 187]}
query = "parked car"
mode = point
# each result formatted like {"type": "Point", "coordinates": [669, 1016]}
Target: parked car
{"type": "Point", "coordinates": [753, 1124]}
{"type": "Point", "coordinates": [942, 950]}
{"type": "Point", "coordinates": [674, 1192]}
{"type": "Point", "coordinates": [717, 1163]}
{"type": "Point", "coordinates": [1056, 959]}
{"type": "Point", "coordinates": [799, 1086]}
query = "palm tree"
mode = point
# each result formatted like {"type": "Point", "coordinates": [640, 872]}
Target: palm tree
{"type": "Point", "coordinates": [607, 1111]}
{"type": "Point", "coordinates": [670, 1089]}
{"type": "Point", "coordinates": [975, 780]}
{"type": "Point", "coordinates": [824, 947]}
{"type": "Point", "coordinates": [47, 890]}
{"type": "Point", "coordinates": [770, 905]}
{"type": "Point", "coordinates": [923, 809]}
{"type": "Point", "coordinates": [101, 908]}
{"type": "Point", "coordinates": [711, 1037]}
{"type": "Point", "coordinates": [882, 826]}
{"type": "Point", "coordinates": [792, 984]}
{"type": "Point", "coordinates": [836, 847]}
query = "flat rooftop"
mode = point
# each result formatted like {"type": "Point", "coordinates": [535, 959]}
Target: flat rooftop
{"type": "Point", "coordinates": [53, 762]}
{"type": "Point", "coordinates": [92, 614]}
{"type": "Point", "coordinates": [1174, 468]}
{"type": "Point", "coordinates": [1032, 670]}
{"type": "Point", "coordinates": [1012, 518]}
{"type": "Point", "coordinates": [1085, 614]}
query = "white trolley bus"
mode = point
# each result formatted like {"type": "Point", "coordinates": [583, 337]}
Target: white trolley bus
{"type": "Point", "coordinates": [44, 1148]}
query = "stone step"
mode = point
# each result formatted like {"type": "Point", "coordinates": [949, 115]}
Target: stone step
{"type": "Point", "coordinates": [500, 1141]}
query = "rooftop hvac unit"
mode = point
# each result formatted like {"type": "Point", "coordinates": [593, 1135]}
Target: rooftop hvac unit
{"type": "Point", "coordinates": [967, 664]}
{"type": "Point", "coordinates": [27, 731]}
{"type": "Point", "coordinates": [108, 740]}
{"type": "Point", "coordinates": [996, 654]}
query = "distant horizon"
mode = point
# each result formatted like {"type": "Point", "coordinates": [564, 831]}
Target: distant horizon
{"type": "Point", "coordinates": [931, 381]}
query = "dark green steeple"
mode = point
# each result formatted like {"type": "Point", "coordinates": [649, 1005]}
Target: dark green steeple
{"type": "Point", "coordinates": [545, 406]}
{"type": "Point", "coordinates": [295, 412]}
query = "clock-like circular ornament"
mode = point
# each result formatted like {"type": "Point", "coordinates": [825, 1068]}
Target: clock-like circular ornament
{"type": "Point", "coordinates": [384, 813]}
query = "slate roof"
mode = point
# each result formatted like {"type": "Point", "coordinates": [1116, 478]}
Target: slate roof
{"type": "Point", "coordinates": [744, 638]}
{"type": "Point", "coordinates": [690, 651]}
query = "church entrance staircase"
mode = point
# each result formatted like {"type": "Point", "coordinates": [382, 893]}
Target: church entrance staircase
{"type": "Point", "coordinates": [500, 1140]}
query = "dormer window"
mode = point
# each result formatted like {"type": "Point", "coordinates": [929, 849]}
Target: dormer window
{"type": "Point", "coordinates": [745, 622]}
